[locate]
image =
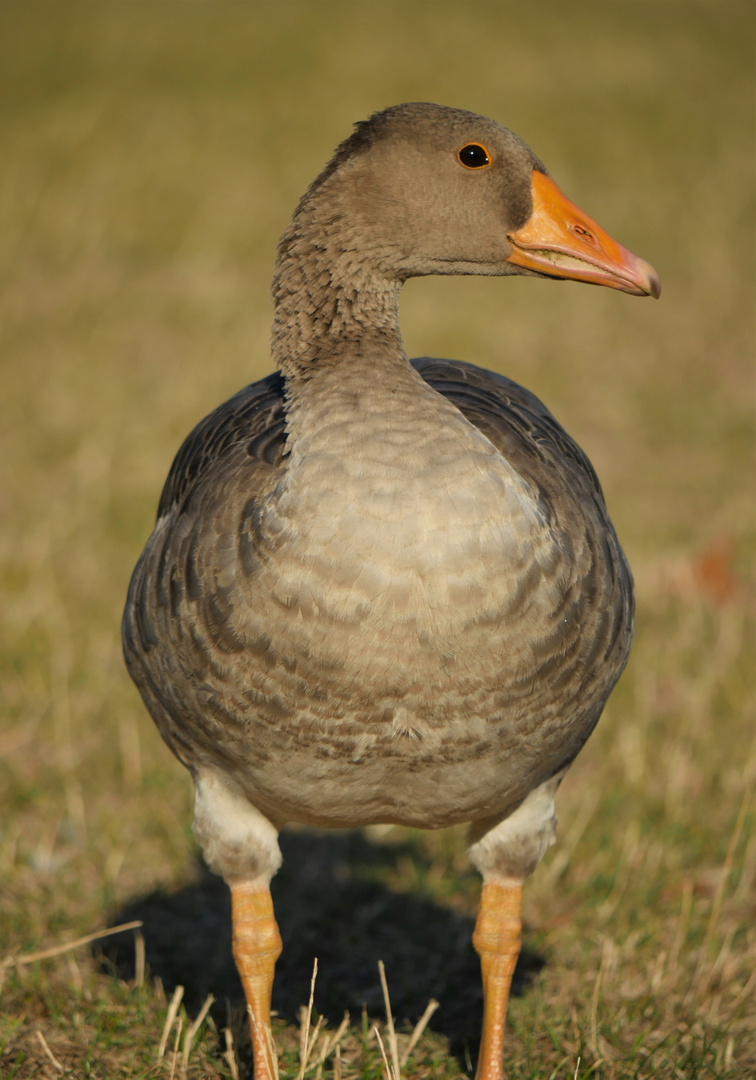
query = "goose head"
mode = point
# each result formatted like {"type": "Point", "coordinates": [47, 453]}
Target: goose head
{"type": "Point", "coordinates": [422, 189]}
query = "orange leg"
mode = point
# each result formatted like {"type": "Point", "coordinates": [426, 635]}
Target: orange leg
{"type": "Point", "coordinates": [496, 939]}
{"type": "Point", "coordinates": [257, 946]}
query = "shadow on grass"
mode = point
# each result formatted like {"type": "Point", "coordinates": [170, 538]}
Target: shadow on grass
{"type": "Point", "coordinates": [329, 903]}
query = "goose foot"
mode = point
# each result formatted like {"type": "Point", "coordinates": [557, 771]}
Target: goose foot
{"type": "Point", "coordinates": [497, 938]}
{"type": "Point", "coordinates": [257, 946]}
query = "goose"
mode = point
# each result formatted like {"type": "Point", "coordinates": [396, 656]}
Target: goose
{"type": "Point", "coordinates": [381, 590]}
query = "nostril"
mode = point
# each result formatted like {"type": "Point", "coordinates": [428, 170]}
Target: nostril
{"type": "Point", "coordinates": [582, 232]}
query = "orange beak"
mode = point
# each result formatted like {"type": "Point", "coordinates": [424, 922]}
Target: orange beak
{"type": "Point", "coordinates": [562, 241]}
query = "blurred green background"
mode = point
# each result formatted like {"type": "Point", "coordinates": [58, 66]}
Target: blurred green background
{"type": "Point", "coordinates": [151, 155]}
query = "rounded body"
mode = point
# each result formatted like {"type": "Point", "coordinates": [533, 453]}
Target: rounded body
{"type": "Point", "coordinates": [413, 612]}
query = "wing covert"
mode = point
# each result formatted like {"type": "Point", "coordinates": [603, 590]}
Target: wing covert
{"type": "Point", "coordinates": [255, 416]}
{"type": "Point", "coordinates": [516, 421]}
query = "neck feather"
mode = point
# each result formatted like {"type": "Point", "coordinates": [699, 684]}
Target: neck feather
{"type": "Point", "coordinates": [334, 293]}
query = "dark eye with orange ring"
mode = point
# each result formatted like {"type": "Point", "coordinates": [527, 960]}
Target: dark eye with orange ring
{"type": "Point", "coordinates": [474, 156]}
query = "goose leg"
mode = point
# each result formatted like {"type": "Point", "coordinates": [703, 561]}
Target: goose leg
{"type": "Point", "coordinates": [241, 844]}
{"type": "Point", "coordinates": [497, 940]}
{"type": "Point", "coordinates": [506, 853]}
{"type": "Point", "coordinates": [257, 946]}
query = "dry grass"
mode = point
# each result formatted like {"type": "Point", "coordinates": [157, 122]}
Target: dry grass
{"type": "Point", "coordinates": [151, 156]}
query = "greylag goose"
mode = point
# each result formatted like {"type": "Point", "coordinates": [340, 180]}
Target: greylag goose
{"type": "Point", "coordinates": [382, 590]}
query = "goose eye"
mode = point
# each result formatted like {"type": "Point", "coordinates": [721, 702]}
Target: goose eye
{"type": "Point", "coordinates": [474, 156]}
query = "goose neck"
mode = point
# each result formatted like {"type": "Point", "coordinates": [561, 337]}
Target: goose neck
{"type": "Point", "coordinates": [335, 298]}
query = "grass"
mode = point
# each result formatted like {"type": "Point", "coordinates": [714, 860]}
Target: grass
{"type": "Point", "coordinates": [151, 157]}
